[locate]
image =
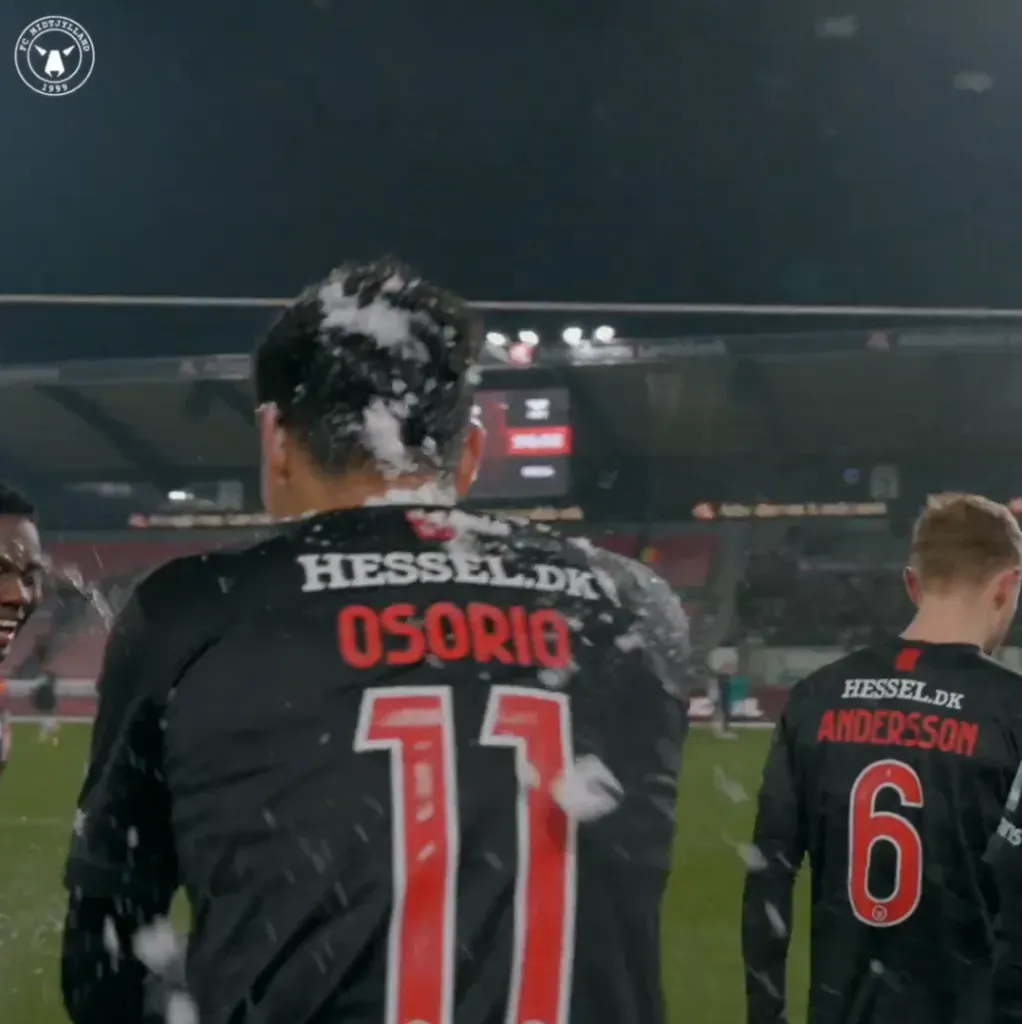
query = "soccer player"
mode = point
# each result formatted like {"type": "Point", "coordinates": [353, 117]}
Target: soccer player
{"type": "Point", "coordinates": [409, 763]}
{"type": "Point", "coordinates": [21, 581]}
{"type": "Point", "coordinates": [889, 768]}
{"type": "Point", "coordinates": [45, 703]}
{"type": "Point", "coordinates": [723, 665]}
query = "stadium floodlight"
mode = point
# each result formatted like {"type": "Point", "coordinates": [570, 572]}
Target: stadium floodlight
{"type": "Point", "coordinates": [179, 496]}
{"type": "Point", "coordinates": [530, 338]}
{"type": "Point", "coordinates": [604, 334]}
{"type": "Point", "coordinates": [572, 335]}
{"type": "Point", "coordinates": [496, 339]}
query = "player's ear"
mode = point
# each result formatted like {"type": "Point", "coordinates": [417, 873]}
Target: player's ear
{"type": "Point", "coordinates": [470, 458]}
{"type": "Point", "coordinates": [273, 442]}
{"type": "Point", "coordinates": [912, 585]}
{"type": "Point", "coordinates": [1007, 585]}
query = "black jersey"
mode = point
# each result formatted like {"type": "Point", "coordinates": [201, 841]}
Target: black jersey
{"type": "Point", "coordinates": [889, 769]}
{"type": "Point", "coordinates": [409, 765]}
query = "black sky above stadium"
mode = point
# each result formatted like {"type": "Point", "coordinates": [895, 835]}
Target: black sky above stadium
{"type": "Point", "coordinates": [705, 150]}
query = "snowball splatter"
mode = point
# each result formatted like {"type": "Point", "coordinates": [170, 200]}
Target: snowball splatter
{"type": "Point", "coordinates": [429, 493]}
{"type": "Point", "coordinates": [629, 642]}
{"type": "Point", "coordinates": [588, 790]}
{"type": "Point", "coordinates": [528, 774]}
{"type": "Point", "coordinates": [181, 1009]}
{"type": "Point", "coordinates": [161, 949]}
{"type": "Point", "coordinates": [484, 526]}
{"type": "Point", "coordinates": [382, 426]}
{"type": "Point", "coordinates": [158, 946]}
{"type": "Point", "coordinates": [607, 584]}
{"type": "Point", "coordinates": [556, 678]}
{"type": "Point", "coordinates": [388, 325]}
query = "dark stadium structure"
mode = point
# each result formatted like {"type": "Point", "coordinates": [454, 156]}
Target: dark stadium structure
{"type": "Point", "coordinates": [660, 429]}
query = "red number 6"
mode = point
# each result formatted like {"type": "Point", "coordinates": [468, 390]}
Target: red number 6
{"type": "Point", "coordinates": [867, 826]}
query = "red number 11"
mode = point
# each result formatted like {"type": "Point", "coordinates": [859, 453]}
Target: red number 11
{"type": "Point", "coordinates": [416, 726]}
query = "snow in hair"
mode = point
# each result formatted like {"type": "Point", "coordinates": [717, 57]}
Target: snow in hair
{"type": "Point", "coordinates": [381, 429]}
{"type": "Point", "coordinates": [378, 319]}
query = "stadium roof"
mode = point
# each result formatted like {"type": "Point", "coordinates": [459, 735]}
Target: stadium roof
{"type": "Point", "coordinates": [170, 420]}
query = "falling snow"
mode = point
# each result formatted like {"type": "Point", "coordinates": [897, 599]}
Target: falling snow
{"type": "Point", "coordinates": [111, 942]}
{"type": "Point", "coordinates": [731, 788]}
{"type": "Point", "coordinates": [753, 856]}
{"type": "Point", "coordinates": [777, 923]}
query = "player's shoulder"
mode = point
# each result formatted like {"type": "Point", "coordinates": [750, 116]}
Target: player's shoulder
{"type": "Point", "coordinates": [195, 581]}
{"type": "Point", "coordinates": [821, 683]}
{"type": "Point", "coordinates": [660, 621]}
{"type": "Point", "coordinates": [999, 684]}
{"type": "Point", "coordinates": [623, 578]}
{"type": "Point", "coordinates": [997, 672]}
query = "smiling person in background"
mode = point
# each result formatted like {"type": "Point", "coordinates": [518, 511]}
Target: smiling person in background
{"type": "Point", "coordinates": [21, 585]}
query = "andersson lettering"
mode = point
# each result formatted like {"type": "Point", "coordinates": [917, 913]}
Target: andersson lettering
{"type": "Point", "coordinates": [899, 729]}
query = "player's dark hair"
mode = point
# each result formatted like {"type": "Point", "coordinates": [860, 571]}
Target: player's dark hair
{"type": "Point", "coordinates": [373, 366]}
{"type": "Point", "coordinates": [14, 503]}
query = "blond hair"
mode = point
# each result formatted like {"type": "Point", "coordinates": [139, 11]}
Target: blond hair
{"type": "Point", "coordinates": [964, 539]}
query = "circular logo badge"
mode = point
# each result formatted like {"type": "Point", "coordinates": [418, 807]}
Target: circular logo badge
{"type": "Point", "coordinates": [54, 56]}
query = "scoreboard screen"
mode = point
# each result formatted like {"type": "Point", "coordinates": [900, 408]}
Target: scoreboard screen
{"type": "Point", "coordinates": [528, 444]}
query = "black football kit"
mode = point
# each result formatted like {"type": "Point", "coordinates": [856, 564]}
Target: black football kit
{"type": "Point", "coordinates": [1005, 857]}
{"type": "Point", "coordinates": [889, 768]}
{"type": "Point", "coordinates": [408, 764]}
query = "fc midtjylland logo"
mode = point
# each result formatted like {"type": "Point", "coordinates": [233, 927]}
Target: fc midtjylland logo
{"type": "Point", "coordinates": [54, 56]}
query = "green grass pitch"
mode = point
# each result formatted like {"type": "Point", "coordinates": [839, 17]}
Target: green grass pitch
{"type": "Point", "coordinates": [702, 963]}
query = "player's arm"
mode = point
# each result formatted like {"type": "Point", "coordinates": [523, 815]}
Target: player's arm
{"type": "Point", "coordinates": [1004, 854]}
{"type": "Point", "coordinates": [121, 870]}
{"type": "Point", "coordinates": [778, 846]}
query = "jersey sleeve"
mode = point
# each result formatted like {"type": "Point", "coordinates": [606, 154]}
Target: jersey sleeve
{"type": "Point", "coordinates": [778, 846]}
{"type": "Point", "coordinates": [122, 868]}
{"type": "Point", "coordinates": [1004, 855]}
{"type": "Point", "coordinates": [122, 842]}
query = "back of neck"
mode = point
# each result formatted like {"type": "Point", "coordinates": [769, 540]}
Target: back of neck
{"type": "Point", "coordinates": [946, 622]}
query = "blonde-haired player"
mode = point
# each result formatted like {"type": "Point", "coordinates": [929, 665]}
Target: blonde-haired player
{"type": "Point", "coordinates": [889, 768]}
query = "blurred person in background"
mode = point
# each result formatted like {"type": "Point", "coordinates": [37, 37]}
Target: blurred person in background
{"type": "Point", "coordinates": [45, 704]}
{"type": "Point", "coordinates": [410, 763]}
{"type": "Point", "coordinates": [889, 768]}
{"type": "Point", "coordinates": [21, 586]}
{"type": "Point", "coordinates": [70, 603]}
{"type": "Point", "coordinates": [724, 667]}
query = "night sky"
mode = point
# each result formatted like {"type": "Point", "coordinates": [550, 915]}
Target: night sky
{"type": "Point", "coordinates": [713, 150]}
